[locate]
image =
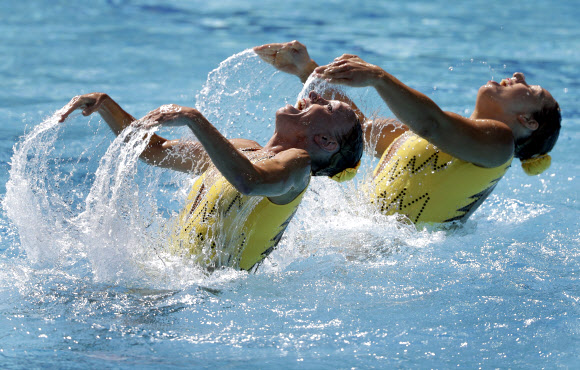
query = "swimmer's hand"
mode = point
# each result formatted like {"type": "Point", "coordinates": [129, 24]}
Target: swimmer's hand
{"type": "Point", "coordinates": [89, 103]}
{"type": "Point", "coordinates": [170, 115]}
{"type": "Point", "coordinates": [290, 57]}
{"type": "Point", "coordinates": [350, 70]}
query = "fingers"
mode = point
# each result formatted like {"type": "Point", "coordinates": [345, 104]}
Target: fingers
{"type": "Point", "coordinates": [338, 81]}
{"type": "Point", "coordinates": [274, 47]}
{"type": "Point", "coordinates": [75, 103]}
{"type": "Point", "coordinates": [337, 73]}
{"type": "Point", "coordinates": [267, 48]}
{"type": "Point", "coordinates": [150, 120]}
{"type": "Point", "coordinates": [269, 52]}
{"type": "Point", "coordinates": [346, 56]}
{"type": "Point", "coordinates": [65, 112]}
{"type": "Point", "coordinates": [333, 70]}
{"type": "Point", "coordinates": [167, 115]}
{"type": "Point", "coordinates": [89, 103]}
{"type": "Point", "coordinates": [90, 109]}
{"type": "Point", "coordinates": [143, 123]}
{"type": "Point", "coordinates": [334, 65]}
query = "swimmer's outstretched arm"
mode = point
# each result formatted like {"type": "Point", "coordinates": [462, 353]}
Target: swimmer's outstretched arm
{"type": "Point", "coordinates": [487, 143]}
{"type": "Point", "coordinates": [286, 173]}
{"type": "Point", "coordinates": [293, 58]}
{"type": "Point", "coordinates": [178, 155]}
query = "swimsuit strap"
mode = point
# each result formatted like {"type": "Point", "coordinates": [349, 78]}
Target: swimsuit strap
{"type": "Point", "coordinates": [249, 149]}
{"type": "Point", "coordinates": [257, 159]}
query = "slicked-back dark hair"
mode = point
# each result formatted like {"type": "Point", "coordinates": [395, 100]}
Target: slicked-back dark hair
{"type": "Point", "coordinates": [351, 149]}
{"type": "Point", "coordinates": [542, 140]}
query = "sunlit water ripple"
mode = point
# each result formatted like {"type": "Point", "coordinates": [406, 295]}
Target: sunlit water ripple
{"type": "Point", "coordinates": [84, 279]}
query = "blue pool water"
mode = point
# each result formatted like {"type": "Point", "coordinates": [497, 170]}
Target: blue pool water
{"type": "Point", "coordinates": [84, 281]}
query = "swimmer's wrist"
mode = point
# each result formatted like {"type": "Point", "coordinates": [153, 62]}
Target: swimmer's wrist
{"type": "Point", "coordinates": [103, 100]}
{"type": "Point", "coordinates": [307, 71]}
{"type": "Point", "coordinates": [191, 114]}
{"type": "Point", "coordinates": [381, 78]}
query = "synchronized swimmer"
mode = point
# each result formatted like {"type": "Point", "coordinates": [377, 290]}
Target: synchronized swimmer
{"type": "Point", "coordinates": [435, 166]}
{"type": "Point", "coordinates": [217, 228]}
{"type": "Point", "coordinates": [438, 166]}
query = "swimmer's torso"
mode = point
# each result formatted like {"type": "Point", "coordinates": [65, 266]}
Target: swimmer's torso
{"type": "Point", "coordinates": [416, 179]}
{"type": "Point", "coordinates": [219, 226]}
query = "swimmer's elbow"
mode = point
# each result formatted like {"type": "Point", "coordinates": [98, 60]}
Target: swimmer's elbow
{"type": "Point", "coordinates": [245, 189]}
{"type": "Point", "coordinates": [499, 156]}
{"type": "Point", "coordinates": [493, 156]}
{"type": "Point", "coordinates": [150, 157]}
{"type": "Point", "coordinates": [503, 149]}
{"type": "Point", "coordinates": [259, 186]}
{"type": "Point", "coordinates": [251, 187]}
{"type": "Point", "coordinates": [246, 185]}
{"type": "Point", "coordinates": [275, 179]}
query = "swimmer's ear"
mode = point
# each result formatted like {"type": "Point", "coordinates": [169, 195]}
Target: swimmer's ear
{"type": "Point", "coordinates": [328, 143]}
{"type": "Point", "coordinates": [528, 122]}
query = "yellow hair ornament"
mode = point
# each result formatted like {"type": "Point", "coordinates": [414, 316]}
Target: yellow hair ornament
{"type": "Point", "coordinates": [536, 165]}
{"type": "Point", "coordinates": [346, 174]}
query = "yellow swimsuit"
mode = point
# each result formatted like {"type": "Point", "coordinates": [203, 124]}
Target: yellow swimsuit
{"type": "Point", "coordinates": [219, 226]}
{"type": "Point", "coordinates": [416, 179]}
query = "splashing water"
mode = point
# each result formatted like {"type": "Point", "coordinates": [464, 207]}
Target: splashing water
{"type": "Point", "coordinates": [100, 212]}
{"type": "Point", "coordinates": [92, 224]}
{"type": "Point", "coordinates": [69, 208]}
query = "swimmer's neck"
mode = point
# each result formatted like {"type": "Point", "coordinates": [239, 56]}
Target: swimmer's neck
{"type": "Point", "coordinates": [486, 114]}
{"type": "Point", "coordinates": [279, 143]}
{"type": "Point", "coordinates": [493, 112]}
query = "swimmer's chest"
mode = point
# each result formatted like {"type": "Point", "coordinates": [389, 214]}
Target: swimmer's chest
{"type": "Point", "coordinates": [246, 228]}
{"type": "Point", "coordinates": [416, 179]}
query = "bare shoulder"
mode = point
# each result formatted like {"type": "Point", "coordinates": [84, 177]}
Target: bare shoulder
{"type": "Point", "coordinates": [298, 162]}
{"type": "Point", "coordinates": [483, 125]}
{"type": "Point", "coordinates": [292, 170]}
{"type": "Point", "coordinates": [484, 142]}
{"type": "Point", "coordinates": [245, 144]}
{"type": "Point", "coordinates": [487, 131]}
{"type": "Point", "coordinates": [292, 165]}
{"type": "Point", "coordinates": [294, 156]}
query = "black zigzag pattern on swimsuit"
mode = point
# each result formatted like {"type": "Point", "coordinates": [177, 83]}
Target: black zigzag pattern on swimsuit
{"type": "Point", "coordinates": [477, 200]}
{"type": "Point", "coordinates": [399, 202]}
{"type": "Point", "coordinates": [412, 168]}
{"type": "Point", "coordinates": [276, 239]}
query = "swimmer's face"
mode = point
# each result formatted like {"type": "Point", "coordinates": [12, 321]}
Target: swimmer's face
{"type": "Point", "coordinates": [318, 114]}
{"type": "Point", "coordinates": [514, 95]}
